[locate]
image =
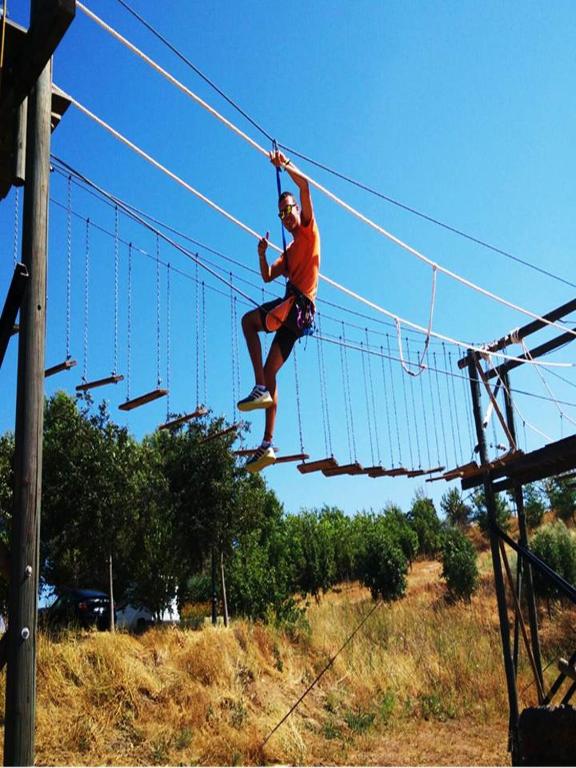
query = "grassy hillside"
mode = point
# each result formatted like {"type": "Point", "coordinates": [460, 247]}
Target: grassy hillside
{"type": "Point", "coordinates": [421, 683]}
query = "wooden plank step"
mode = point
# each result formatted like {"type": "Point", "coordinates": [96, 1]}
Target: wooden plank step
{"type": "Point", "coordinates": [222, 433]}
{"type": "Point", "coordinates": [343, 469]}
{"type": "Point", "coordinates": [65, 366]}
{"type": "Point", "coordinates": [291, 457]}
{"type": "Point", "coordinates": [99, 383]}
{"type": "Point", "coordinates": [136, 402]}
{"type": "Point", "coordinates": [317, 466]}
{"type": "Point", "coordinates": [175, 423]}
{"type": "Point", "coordinates": [415, 473]}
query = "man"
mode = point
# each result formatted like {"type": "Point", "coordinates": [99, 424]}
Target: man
{"type": "Point", "coordinates": [290, 316]}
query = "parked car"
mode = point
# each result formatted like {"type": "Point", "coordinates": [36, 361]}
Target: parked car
{"type": "Point", "coordinates": [81, 607]}
{"type": "Point", "coordinates": [134, 617]}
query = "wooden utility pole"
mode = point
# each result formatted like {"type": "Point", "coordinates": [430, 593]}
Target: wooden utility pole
{"type": "Point", "coordinates": [21, 676]}
{"type": "Point", "coordinates": [111, 592]}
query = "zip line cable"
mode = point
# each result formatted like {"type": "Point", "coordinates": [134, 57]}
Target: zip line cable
{"type": "Point", "coordinates": [326, 279]}
{"type": "Point", "coordinates": [259, 148]}
{"type": "Point", "coordinates": [334, 172]}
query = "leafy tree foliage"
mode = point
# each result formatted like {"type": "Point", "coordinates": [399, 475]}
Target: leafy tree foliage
{"type": "Point", "coordinates": [480, 511]}
{"type": "Point", "coordinates": [459, 564]}
{"type": "Point", "coordinates": [383, 566]}
{"type": "Point", "coordinates": [557, 547]}
{"type": "Point", "coordinates": [534, 507]}
{"type": "Point", "coordinates": [424, 520]}
{"type": "Point", "coordinates": [457, 512]}
{"type": "Point", "coordinates": [562, 497]}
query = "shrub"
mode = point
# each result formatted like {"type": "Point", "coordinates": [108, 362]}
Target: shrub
{"type": "Point", "coordinates": [459, 565]}
{"type": "Point", "coordinates": [384, 566]}
{"type": "Point", "coordinates": [557, 547]}
{"type": "Point", "coordinates": [425, 522]}
{"type": "Point", "coordinates": [533, 506]}
{"type": "Point", "coordinates": [457, 512]}
{"type": "Point", "coordinates": [480, 513]}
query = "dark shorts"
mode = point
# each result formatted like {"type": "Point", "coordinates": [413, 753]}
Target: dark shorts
{"type": "Point", "coordinates": [289, 333]}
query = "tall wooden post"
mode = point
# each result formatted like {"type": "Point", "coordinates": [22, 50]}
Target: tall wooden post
{"type": "Point", "coordinates": [214, 589]}
{"type": "Point", "coordinates": [496, 562]}
{"type": "Point", "coordinates": [23, 597]}
{"type": "Point", "coordinates": [111, 593]}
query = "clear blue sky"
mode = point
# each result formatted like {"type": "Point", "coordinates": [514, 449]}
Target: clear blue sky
{"type": "Point", "coordinates": [461, 110]}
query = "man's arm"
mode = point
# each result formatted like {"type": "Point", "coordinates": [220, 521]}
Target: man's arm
{"type": "Point", "coordinates": [280, 161]}
{"type": "Point", "coordinates": [269, 272]}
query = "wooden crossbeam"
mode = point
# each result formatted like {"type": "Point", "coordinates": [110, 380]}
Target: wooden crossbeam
{"type": "Point", "coordinates": [11, 306]}
{"type": "Point", "coordinates": [175, 423]}
{"type": "Point", "coordinates": [65, 366]}
{"type": "Point", "coordinates": [87, 385]}
{"type": "Point", "coordinates": [318, 465]}
{"type": "Point", "coordinates": [136, 402]}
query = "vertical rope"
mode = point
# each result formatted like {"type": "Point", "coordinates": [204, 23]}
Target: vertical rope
{"type": "Point", "coordinates": [440, 409]}
{"type": "Point", "coordinates": [68, 266]}
{"type": "Point", "coordinates": [197, 297]}
{"type": "Point", "coordinates": [86, 307]}
{"type": "Point", "coordinates": [236, 348]}
{"type": "Point", "coordinates": [369, 420]}
{"type": "Point", "coordinates": [352, 432]}
{"type": "Point", "coordinates": [232, 328]}
{"type": "Point", "coordinates": [279, 188]}
{"type": "Point", "coordinates": [321, 382]}
{"type": "Point", "coordinates": [416, 430]}
{"type": "Point", "coordinates": [471, 438]}
{"type": "Point", "coordinates": [394, 400]}
{"type": "Point", "coordinates": [453, 385]}
{"type": "Point", "coordinates": [341, 348]}
{"type": "Point", "coordinates": [204, 352]}
{"type": "Point", "coordinates": [451, 406]}
{"type": "Point", "coordinates": [425, 417]}
{"type": "Point", "coordinates": [158, 379]}
{"type": "Point", "coordinates": [168, 338]}
{"type": "Point", "coordinates": [298, 408]}
{"type": "Point", "coordinates": [325, 392]}
{"type": "Point", "coordinates": [408, 425]}
{"type": "Point", "coordinates": [388, 420]}
{"type": "Point", "coordinates": [129, 333]}
{"type": "Point", "coordinates": [16, 236]}
{"type": "Point", "coordinates": [371, 380]}
{"type": "Point", "coordinates": [116, 284]}
{"type": "Point", "coordinates": [264, 335]}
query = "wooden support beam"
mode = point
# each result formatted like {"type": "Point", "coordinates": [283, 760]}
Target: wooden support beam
{"type": "Point", "coordinates": [87, 385]}
{"type": "Point", "coordinates": [567, 669]}
{"type": "Point", "coordinates": [136, 402]}
{"type": "Point", "coordinates": [14, 298]}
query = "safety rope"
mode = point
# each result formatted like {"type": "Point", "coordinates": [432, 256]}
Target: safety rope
{"type": "Point", "coordinates": [158, 379]}
{"type": "Point", "coordinates": [116, 285]}
{"type": "Point", "coordinates": [279, 189]}
{"type": "Point", "coordinates": [298, 406]}
{"type": "Point", "coordinates": [546, 386]}
{"type": "Point", "coordinates": [341, 349]}
{"type": "Point", "coordinates": [451, 408]}
{"type": "Point", "coordinates": [168, 341]}
{"type": "Point", "coordinates": [440, 406]}
{"type": "Point", "coordinates": [16, 234]}
{"type": "Point", "coordinates": [407, 422]}
{"type": "Point", "coordinates": [197, 297]}
{"type": "Point", "coordinates": [322, 383]}
{"type": "Point", "coordinates": [347, 372]}
{"type": "Point", "coordinates": [233, 346]}
{"type": "Point", "coordinates": [425, 418]}
{"type": "Point", "coordinates": [414, 413]}
{"type": "Point", "coordinates": [347, 207]}
{"type": "Point", "coordinates": [450, 384]}
{"type": "Point", "coordinates": [204, 345]}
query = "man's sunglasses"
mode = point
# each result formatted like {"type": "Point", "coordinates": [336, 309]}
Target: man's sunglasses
{"type": "Point", "coordinates": [286, 211]}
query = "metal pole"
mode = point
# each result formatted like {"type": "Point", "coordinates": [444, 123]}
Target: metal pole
{"type": "Point", "coordinates": [23, 596]}
{"type": "Point", "coordinates": [496, 562]}
{"type": "Point", "coordinates": [527, 570]}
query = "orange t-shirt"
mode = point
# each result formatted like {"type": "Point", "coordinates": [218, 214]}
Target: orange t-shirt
{"type": "Point", "coordinates": [302, 259]}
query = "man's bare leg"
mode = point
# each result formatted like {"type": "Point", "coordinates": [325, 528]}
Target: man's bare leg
{"type": "Point", "coordinates": [274, 362]}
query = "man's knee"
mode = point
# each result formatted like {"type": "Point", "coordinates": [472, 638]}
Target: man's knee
{"type": "Point", "coordinates": [251, 321]}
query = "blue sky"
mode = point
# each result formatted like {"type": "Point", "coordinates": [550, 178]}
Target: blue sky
{"type": "Point", "coordinates": [460, 110]}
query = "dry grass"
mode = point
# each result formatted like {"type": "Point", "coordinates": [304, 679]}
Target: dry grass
{"type": "Point", "coordinates": [422, 683]}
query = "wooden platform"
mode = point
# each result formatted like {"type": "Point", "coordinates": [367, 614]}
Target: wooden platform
{"type": "Point", "coordinates": [318, 465]}
{"type": "Point", "coordinates": [343, 469]}
{"type": "Point", "coordinates": [87, 385]}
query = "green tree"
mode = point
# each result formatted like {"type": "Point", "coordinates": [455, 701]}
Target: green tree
{"type": "Point", "coordinates": [557, 547]}
{"type": "Point", "coordinates": [457, 512]}
{"type": "Point", "coordinates": [534, 507]}
{"type": "Point", "coordinates": [383, 566]}
{"type": "Point", "coordinates": [480, 511]}
{"type": "Point", "coordinates": [562, 497]}
{"type": "Point", "coordinates": [398, 528]}
{"type": "Point", "coordinates": [424, 520]}
{"type": "Point", "coordinates": [459, 564]}
{"type": "Point", "coordinates": [312, 552]}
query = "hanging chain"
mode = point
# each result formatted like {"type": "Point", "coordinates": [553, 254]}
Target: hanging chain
{"type": "Point", "coordinates": [265, 335]}
{"type": "Point", "coordinates": [371, 380]}
{"type": "Point", "coordinates": [116, 284]}
{"type": "Point", "coordinates": [385, 390]}
{"type": "Point", "coordinates": [365, 379]}
{"type": "Point", "coordinates": [129, 340]}
{"type": "Point", "coordinates": [413, 400]}
{"type": "Point", "coordinates": [325, 395]}
{"type": "Point", "coordinates": [168, 337]}
{"type": "Point", "coordinates": [197, 296]}
{"type": "Point", "coordinates": [236, 348]}
{"type": "Point", "coordinates": [158, 379]}
{"type": "Point", "coordinates": [450, 405]}
{"type": "Point", "coordinates": [435, 421]}
{"type": "Point", "coordinates": [298, 409]}
{"type": "Point", "coordinates": [341, 347]}
{"type": "Point", "coordinates": [86, 285]}
{"type": "Point", "coordinates": [16, 239]}
{"type": "Point", "coordinates": [68, 266]}
{"type": "Point", "coordinates": [394, 400]}
{"type": "Point", "coordinates": [466, 401]}
{"type": "Point", "coordinates": [232, 329]}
